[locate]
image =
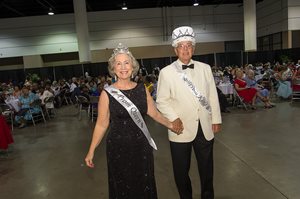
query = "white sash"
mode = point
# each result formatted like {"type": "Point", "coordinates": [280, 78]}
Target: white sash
{"type": "Point", "coordinates": [133, 112]}
{"type": "Point", "coordinates": [201, 98]}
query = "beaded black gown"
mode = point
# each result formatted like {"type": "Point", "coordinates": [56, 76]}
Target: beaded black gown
{"type": "Point", "coordinates": [129, 155]}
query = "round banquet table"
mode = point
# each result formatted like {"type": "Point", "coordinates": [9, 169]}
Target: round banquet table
{"type": "Point", "coordinates": [227, 89]}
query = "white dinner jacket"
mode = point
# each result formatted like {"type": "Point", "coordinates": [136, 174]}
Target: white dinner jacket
{"type": "Point", "coordinates": [175, 100]}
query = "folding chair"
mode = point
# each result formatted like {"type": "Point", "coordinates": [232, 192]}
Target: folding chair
{"type": "Point", "coordinates": [296, 90]}
{"type": "Point", "coordinates": [94, 107]}
{"type": "Point", "coordinates": [49, 100]}
{"type": "Point", "coordinates": [66, 97]}
{"type": "Point", "coordinates": [83, 104]}
{"type": "Point", "coordinates": [36, 111]}
{"type": "Point", "coordinates": [238, 101]}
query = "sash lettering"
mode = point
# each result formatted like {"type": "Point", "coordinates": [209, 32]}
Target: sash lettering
{"type": "Point", "coordinates": [133, 111]}
{"type": "Point", "coordinates": [201, 98]}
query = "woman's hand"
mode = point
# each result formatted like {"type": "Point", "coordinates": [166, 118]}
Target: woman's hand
{"type": "Point", "coordinates": [89, 160]}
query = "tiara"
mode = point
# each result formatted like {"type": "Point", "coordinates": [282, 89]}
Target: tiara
{"type": "Point", "coordinates": [120, 49]}
{"type": "Point", "coordinates": [180, 33]}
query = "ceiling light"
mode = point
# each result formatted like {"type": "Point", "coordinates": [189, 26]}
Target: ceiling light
{"type": "Point", "coordinates": [50, 12]}
{"type": "Point", "coordinates": [196, 3]}
{"type": "Point", "coordinates": [124, 7]}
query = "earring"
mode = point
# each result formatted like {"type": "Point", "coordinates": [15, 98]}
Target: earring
{"type": "Point", "coordinates": [132, 76]}
{"type": "Point", "coordinates": [116, 78]}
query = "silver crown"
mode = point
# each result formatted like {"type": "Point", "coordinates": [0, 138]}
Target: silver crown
{"type": "Point", "coordinates": [183, 32]}
{"type": "Point", "coordinates": [120, 49]}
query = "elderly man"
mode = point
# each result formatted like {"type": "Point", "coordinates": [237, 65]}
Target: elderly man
{"type": "Point", "coordinates": [187, 95]}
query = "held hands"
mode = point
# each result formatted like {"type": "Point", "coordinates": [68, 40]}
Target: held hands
{"type": "Point", "coordinates": [89, 160]}
{"type": "Point", "coordinates": [177, 126]}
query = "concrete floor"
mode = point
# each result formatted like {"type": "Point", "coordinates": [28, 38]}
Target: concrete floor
{"type": "Point", "coordinates": [257, 156]}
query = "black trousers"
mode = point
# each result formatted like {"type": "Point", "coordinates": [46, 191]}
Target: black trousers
{"type": "Point", "coordinates": [181, 158]}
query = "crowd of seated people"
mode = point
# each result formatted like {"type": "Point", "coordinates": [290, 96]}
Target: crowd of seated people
{"type": "Point", "coordinates": [252, 82]}
{"type": "Point", "coordinates": [267, 79]}
{"type": "Point", "coordinates": [62, 90]}
{"type": "Point", "coordinates": [249, 93]}
{"type": "Point", "coordinates": [284, 77]}
{"type": "Point", "coordinates": [25, 101]}
{"type": "Point", "coordinates": [21, 100]}
{"type": "Point", "coordinates": [263, 93]}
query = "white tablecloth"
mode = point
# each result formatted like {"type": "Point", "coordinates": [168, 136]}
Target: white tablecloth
{"type": "Point", "coordinates": [226, 89]}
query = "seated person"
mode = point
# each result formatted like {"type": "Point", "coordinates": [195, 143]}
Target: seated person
{"type": "Point", "coordinates": [296, 73]}
{"type": "Point", "coordinates": [85, 93]}
{"type": "Point", "coordinates": [284, 89]}
{"type": "Point", "coordinates": [17, 92]}
{"type": "Point", "coordinates": [100, 87]}
{"type": "Point", "coordinates": [25, 101]}
{"type": "Point", "coordinates": [296, 79]}
{"type": "Point", "coordinates": [46, 93]}
{"type": "Point", "coordinates": [248, 94]}
{"type": "Point", "coordinates": [263, 92]}
{"type": "Point", "coordinates": [222, 101]}
{"type": "Point", "coordinates": [55, 88]}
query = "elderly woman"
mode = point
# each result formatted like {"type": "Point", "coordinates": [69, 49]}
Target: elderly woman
{"type": "Point", "coordinates": [45, 93]}
{"type": "Point", "coordinates": [129, 147]}
{"type": "Point", "coordinates": [25, 101]}
{"type": "Point", "coordinates": [283, 77]}
{"type": "Point", "coordinates": [263, 93]}
{"type": "Point", "coordinates": [247, 93]}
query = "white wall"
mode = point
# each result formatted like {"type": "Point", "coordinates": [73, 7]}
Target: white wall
{"type": "Point", "coordinates": [142, 27]}
{"type": "Point", "coordinates": [37, 35]}
{"type": "Point", "coordinates": [139, 27]}
{"type": "Point", "coordinates": [294, 14]}
{"type": "Point", "coordinates": [272, 17]}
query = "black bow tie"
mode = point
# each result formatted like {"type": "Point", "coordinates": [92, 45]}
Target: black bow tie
{"type": "Point", "coordinates": [191, 66]}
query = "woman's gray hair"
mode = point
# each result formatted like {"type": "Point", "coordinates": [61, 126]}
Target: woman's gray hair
{"type": "Point", "coordinates": [112, 61]}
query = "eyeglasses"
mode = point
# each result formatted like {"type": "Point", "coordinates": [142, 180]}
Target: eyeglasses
{"type": "Point", "coordinates": [183, 46]}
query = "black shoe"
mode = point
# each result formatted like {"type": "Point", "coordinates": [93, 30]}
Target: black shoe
{"type": "Point", "coordinates": [22, 126]}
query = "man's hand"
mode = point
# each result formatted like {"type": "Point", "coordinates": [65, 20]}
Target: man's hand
{"type": "Point", "coordinates": [216, 128]}
{"type": "Point", "coordinates": [177, 126]}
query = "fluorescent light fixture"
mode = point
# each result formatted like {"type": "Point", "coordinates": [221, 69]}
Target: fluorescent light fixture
{"type": "Point", "coordinates": [124, 7]}
{"type": "Point", "coordinates": [50, 12]}
{"type": "Point", "coordinates": [196, 3]}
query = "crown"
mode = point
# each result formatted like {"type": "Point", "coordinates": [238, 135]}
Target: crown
{"type": "Point", "coordinates": [120, 49]}
{"type": "Point", "coordinates": [183, 32]}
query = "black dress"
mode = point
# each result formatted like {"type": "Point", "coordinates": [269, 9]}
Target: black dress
{"type": "Point", "coordinates": [129, 155]}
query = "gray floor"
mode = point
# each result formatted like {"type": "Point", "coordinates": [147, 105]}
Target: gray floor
{"type": "Point", "coordinates": [257, 156]}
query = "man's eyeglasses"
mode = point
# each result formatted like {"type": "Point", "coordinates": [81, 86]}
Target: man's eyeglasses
{"type": "Point", "coordinates": [183, 46]}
